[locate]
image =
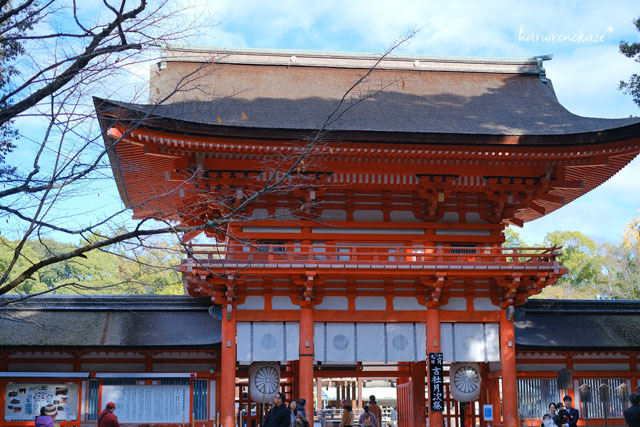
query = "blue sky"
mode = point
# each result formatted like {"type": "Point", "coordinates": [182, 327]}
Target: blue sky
{"type": "Point", "coordinates": [585, 74]}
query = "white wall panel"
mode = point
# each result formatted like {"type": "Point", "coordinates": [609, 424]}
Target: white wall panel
{"type": "Point", "coordinates": [252, 302]}
{"type": "Point", "coordinates": [283, 302]}
{"type": "Point", "coordinates": [407, 303]}
{"type": "Point", "coordinates": [333, 303]}
{"type": "Point", "coordinates": [455, 304]}
{"type": "Point", "coordinates": [484, 304]}
{"type": "Point", "coordinates": [371, 303]}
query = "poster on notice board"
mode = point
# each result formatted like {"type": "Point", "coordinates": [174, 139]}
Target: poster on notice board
{"type": "Point", "coordinates": [146, 403]}
{"type": "Point", "coordinates": [23, 401]}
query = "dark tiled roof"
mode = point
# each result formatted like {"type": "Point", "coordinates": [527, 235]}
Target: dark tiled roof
{"type": "Point", "coordinates": [184, 322]}
{"type": "Point", "coordinates": [250, 98]}
{"type": "Point", "coordinates": [578, 325]}
{"type": "Point", "coordinates": [109, 322]}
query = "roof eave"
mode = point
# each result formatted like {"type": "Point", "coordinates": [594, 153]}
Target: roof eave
{"type": "Point", "coordinates": [110, 111]}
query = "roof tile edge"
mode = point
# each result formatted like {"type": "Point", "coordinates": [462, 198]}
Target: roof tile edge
{"type": "Point", "coordinates": [295, 58]}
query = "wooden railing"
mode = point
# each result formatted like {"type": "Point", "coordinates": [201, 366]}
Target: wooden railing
{"type": "Point", "coordinates": [290, 253]}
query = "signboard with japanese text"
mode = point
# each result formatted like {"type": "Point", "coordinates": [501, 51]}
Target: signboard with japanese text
{"type": "Point", "coordinates": [157, 403]}
{"type": "Point", "coordinates": [436, 386]}
{"type": "Point", "coordinates": [23, 401]}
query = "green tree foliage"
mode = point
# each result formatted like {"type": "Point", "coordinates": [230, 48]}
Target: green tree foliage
{"type": "Point", "coordinates": [579, 256]}
{"type": "Point", "coordinates": [149, 270]}
{"type": "Point", "coordinates": [595, 271]}
{"type": "Point", "coordinates": [632, 50]}
{"type": "Point", "coordinates": [512, 239]}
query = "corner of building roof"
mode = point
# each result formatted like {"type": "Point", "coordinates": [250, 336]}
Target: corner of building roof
{"type": "Point", "coordinates": [104, 302]}
{"type": "Point", "coordinates": [301, 58]}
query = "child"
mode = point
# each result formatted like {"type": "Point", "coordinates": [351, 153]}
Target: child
{"type": "Point", "coordinates": [563, 416]}
{"type": "Point", "coordinates": [547, 421]}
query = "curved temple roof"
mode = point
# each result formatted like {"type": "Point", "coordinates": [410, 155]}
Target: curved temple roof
{"type": "Point", "coordinates": [244, 103]}
{"type": "Point", "coordinates": [270, 93]}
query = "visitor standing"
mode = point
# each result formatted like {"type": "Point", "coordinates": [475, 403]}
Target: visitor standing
{"type": "Point", "coordinates": [367, 418]}
{"type": "Point", "coordinates": [632, 413]}
{"type": "Point", "coordinates": [47, 416]}
{"type": "Point", "coordinates": [107, 417]}
{"type": "Point", "coordinates": [347, 415]}
{"type": "Point", "coordinates": [279, 415]}
{"type": "Point", "coordinates": [573, 413]}
{"type": "Point", "coordinates": [375, 409]}
{"type": "Point", "coordinates": [293, 412]}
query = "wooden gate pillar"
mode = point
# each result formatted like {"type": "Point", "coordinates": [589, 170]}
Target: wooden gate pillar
{"type": "Point", "coordinates": [433, 346]}
{"type": "Point", "coordinates": [509, 381]}
{"type": "Point", "coordinates": [228, 368]}
{"type": "Point", "coordinates": [418, 375]}
{"type": "Point", "coordinates": [306, 353]}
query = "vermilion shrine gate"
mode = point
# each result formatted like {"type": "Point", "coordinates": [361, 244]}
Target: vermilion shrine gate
{"type": "Point", "coordinates": [383, 241]}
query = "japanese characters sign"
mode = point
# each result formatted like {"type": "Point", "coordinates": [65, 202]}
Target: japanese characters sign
{"type": "Point", "coordinates": [436, 387]}
{"type": "Point", "coordinates": [149, 403]}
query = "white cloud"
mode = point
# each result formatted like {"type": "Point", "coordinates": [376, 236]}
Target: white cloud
{"type": "Point", "coordinates": [585, 76]}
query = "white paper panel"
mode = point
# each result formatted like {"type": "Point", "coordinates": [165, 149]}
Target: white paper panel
{"type": "Point", "coordinates": [369, 342]}
{"type": "Point", "coordinates": [470, 342]}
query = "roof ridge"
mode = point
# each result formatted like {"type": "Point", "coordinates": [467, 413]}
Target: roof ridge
{"type": "Point", "coordinates": [303, 58]}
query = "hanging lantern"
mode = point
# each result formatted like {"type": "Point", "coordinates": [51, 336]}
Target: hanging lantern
{"type": "Point", "coordinates": [585, 393]}
{"type": "Point", "coordinates": [264, 381]}
{"type": "Point", "coordinates": [464, 381]}
{"type": "Point", "coordinates": [603, 393]}
{"type": "Point", "coordinates": [623, 392]}
{"type": "Point", "coordinates": [565, 379]}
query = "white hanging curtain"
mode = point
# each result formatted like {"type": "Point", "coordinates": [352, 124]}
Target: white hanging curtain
{"type": "Point", "coordinates": [470, 342]}
{"type": "Point", "coordinates": [267, 341]}
{"type": "Point", "coordinates": [369, 342]}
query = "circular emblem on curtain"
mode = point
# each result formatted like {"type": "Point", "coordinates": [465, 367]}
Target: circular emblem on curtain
{"type": "Point", "coordinates": [399, 342]}
{"type": "Point", "coordinates": [464, 378]}
{"type": "Point", "coordinates": [340, 342]}
{"type": "Point", "coordinates": [268, 342]}
{"type": "Point", "coordinates": [264, 381]}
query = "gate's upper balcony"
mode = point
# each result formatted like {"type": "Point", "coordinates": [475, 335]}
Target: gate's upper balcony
{"type": "Point", "coordinates": [291, 257]}
{"type": "Point", "coordinates": [431, 273]}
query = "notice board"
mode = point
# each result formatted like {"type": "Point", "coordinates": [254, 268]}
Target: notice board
{"type": "Point", "coordinates": [23, 401]}
{"type": "Point", "coordinates": [155, 403]}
